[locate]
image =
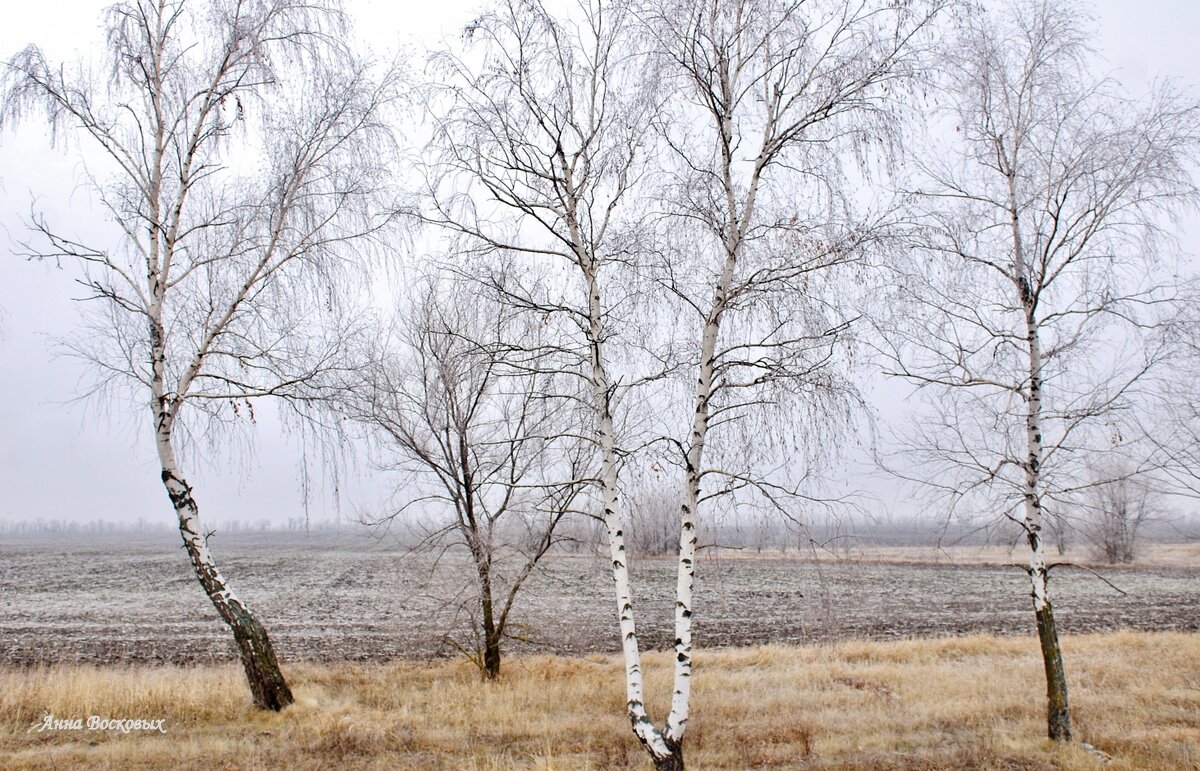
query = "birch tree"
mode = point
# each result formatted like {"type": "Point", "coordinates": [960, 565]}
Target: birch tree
{"type": "Point", "coordinates": [1038, 279]}
{"type": "Point", "coordinates": [235, 147]}
{"type": "Point", "coordinates": [541, 131]}
{"type": "Point", "coordinates": [479, 429]}
{"type": "Point", "coordinates": [770, 97]}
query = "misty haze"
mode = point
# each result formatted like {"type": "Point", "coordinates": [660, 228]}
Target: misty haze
{"type": "Point", "coordinates": [600, 384]}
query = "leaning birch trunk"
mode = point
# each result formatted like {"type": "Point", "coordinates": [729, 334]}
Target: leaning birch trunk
{"type": "Point", "coordinates": [269, 689]}
{"type": "Point", "coordinates": [211, 258]}
{"type": "Point", "coordinates": [267, 686]}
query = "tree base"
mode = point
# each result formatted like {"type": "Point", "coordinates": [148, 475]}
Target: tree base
{"type": "Point", "coordinates": [1058, 714]}
{"type": "Point", "coordinates": [267, 686]}
{"type": "Point", "coordinates": [672, 762]}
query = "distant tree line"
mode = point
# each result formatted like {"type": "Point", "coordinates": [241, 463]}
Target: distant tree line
{"type": "Point", "coordinates": [144, 525]}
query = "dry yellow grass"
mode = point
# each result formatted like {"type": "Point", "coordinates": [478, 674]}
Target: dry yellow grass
{"type": "Point", "coordinates": [923, 704]}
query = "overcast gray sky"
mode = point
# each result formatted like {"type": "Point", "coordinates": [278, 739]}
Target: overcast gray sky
{"type": "Point", "coordinates": [83, 461]}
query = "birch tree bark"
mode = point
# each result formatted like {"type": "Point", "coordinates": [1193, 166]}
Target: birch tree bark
{"type": "Point", "coordinates": [766, 89]}
{"type": "Point", "coordinates": [1033, 315]}
{"type": "Point", "coordinates": [218, 288]}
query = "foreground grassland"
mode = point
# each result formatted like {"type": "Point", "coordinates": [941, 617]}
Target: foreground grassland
{"type": "Point", "coordinates": [960, 703]}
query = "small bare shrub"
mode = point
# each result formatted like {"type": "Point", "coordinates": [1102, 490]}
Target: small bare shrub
{"type": "Point", "coordinates": [1115, 512]}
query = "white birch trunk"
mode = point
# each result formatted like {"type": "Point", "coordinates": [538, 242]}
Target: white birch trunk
{"type": "Point", "coordinates": [267, 685]}
{"type": "Point", "coordinates": [1033, 505]}
{"type": "Point", "coordinates": [693, 471]}
{"type": "Point", "coordinates": [643, 727]}
{"type": "Point", "coordinates": [736, 223]}
{"type": "Point", "coordinates": [1058, 718]}
{"type": "Point", "coordinates": [1033, 414]}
